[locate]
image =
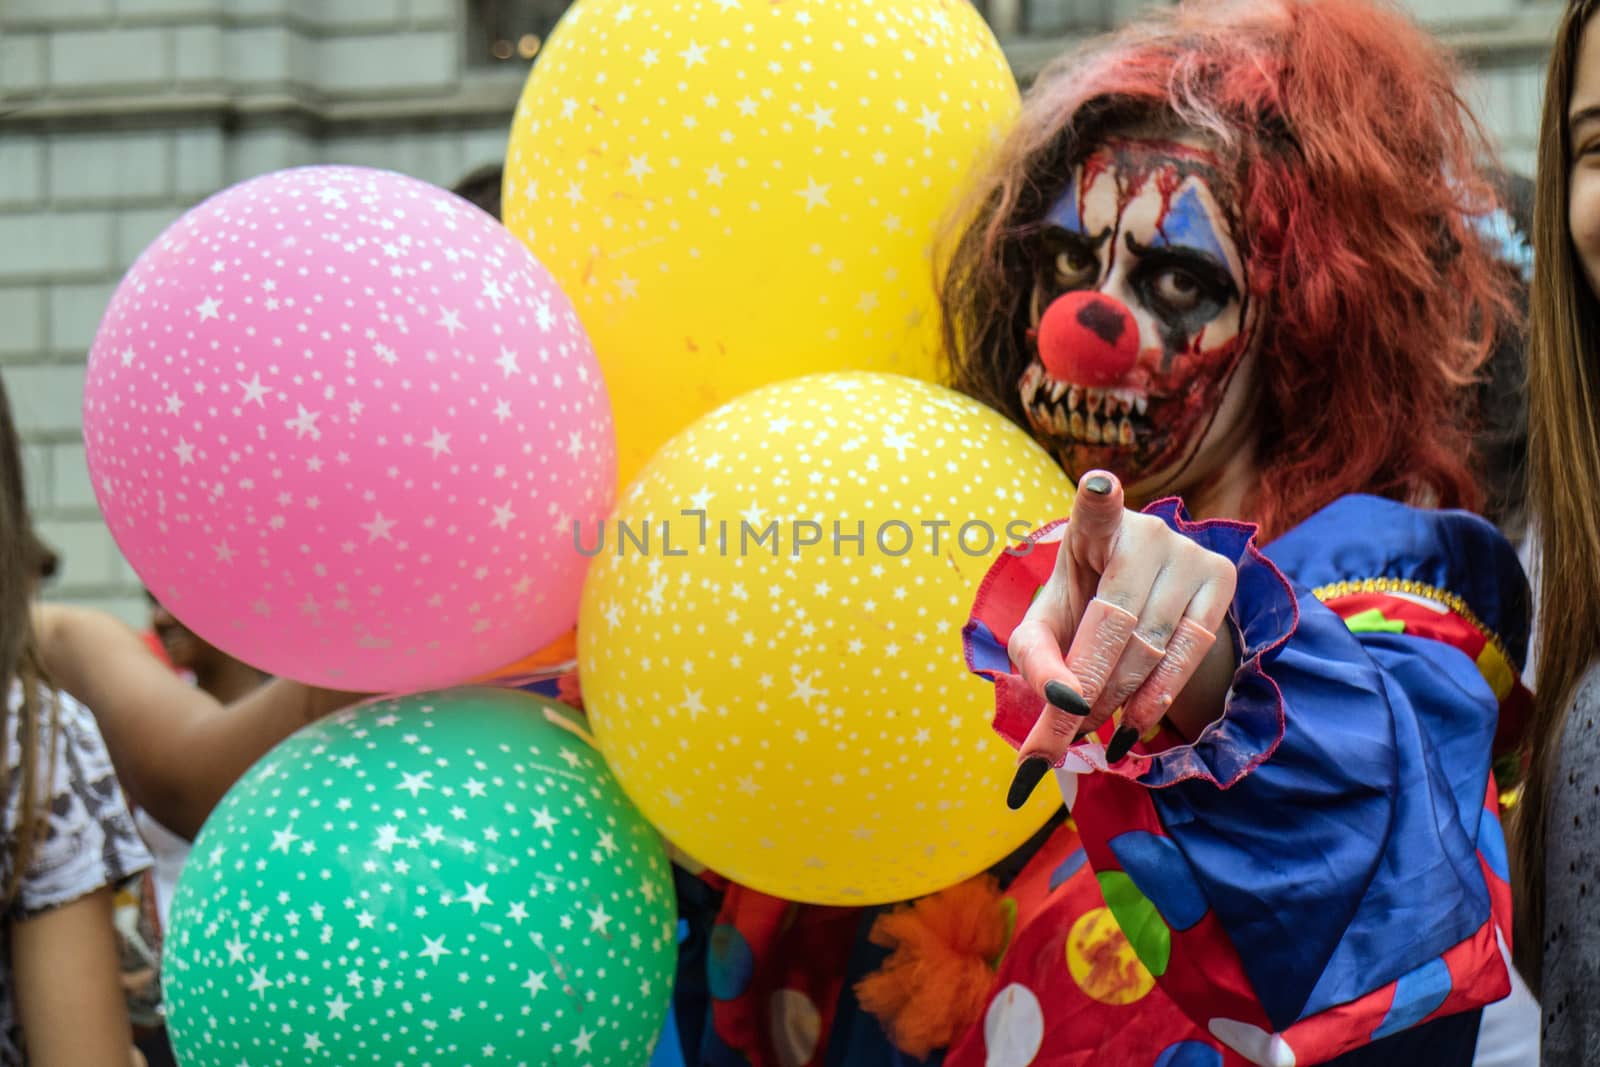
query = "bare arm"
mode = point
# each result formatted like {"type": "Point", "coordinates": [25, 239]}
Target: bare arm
{"type": "Point", "coordinates": [69, 1001]}
{"type": "Point", "coordinates": [175, 749]}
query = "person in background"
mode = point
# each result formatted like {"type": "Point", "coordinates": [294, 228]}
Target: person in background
{"type": "Point", "coordinates": [213, 670]}
{"type": "Point", "coordinates": [1555, 847]}
{"type": "Point", "coordinates": [144, 903]}
{"type": "Point", "coordinates": [481, 186]}
{"type": "Point", "coordinates": [68, 836]}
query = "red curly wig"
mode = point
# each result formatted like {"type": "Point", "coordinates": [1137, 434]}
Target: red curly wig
{"type": "Point", "coordinates": [1357, 169]}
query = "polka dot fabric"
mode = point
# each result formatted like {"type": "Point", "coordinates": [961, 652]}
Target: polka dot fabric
{"type": "Point", "coordinates": [734, 192]}
{"type": "Point", "coordinates": [448, 880]}
{"type": "Point", "coordinates": [341, 424]}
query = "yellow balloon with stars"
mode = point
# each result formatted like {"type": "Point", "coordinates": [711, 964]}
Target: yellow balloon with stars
{"type": "Point", "coordinates": [770, 638]}
{"type": "Point", "coordinates": [734, 192]}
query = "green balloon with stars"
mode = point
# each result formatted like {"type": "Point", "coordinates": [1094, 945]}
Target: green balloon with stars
{"type": "Point", "coordinates": [447, 879]}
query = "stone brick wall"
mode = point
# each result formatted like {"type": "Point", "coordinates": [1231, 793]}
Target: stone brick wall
{"type": "Point", "coordinates": [117, 115]}
{"type": "Point", "coordinates": [120, 114]}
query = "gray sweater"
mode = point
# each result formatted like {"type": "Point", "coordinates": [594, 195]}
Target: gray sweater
{"type": "Point", "coordinates": [1571, 975]}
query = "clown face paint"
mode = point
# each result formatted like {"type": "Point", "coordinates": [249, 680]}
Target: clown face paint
{"type": "Point", "coordinates": [1140, 311]}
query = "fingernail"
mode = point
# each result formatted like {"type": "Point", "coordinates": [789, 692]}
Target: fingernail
{"type": "Point", "coordinates": [1029, 772]}
{"type": "Point", "coordinates": [1100, 485]}
{"type": "Point", "coordinates": [1065, 697]}
{"type": "Point", "coordinates": [1121, 742]}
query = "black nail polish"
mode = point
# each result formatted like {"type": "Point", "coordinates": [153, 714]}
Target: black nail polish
{"type": "Point", "coordinates": [1100, 485]}
{"type": "Point", "coordinates": [1029, 773]}
{"type": "Point", "coordinates": [1121, 742]}
{"type": "Point", "coordinates": [1065, 697]}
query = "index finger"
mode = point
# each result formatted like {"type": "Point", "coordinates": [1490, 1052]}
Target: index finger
{"type": "Point", "coordinates": [1096, 519]}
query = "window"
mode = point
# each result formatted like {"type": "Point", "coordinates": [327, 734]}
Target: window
{"type": "Point", "coordinates": [505, 32]}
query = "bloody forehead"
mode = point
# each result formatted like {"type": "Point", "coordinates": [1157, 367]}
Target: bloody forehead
{"type": "Point", "coordinates": [1136, 163]}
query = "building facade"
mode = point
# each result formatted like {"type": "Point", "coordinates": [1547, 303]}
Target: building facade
{"type": "Point", "coordinates": [117, 115]}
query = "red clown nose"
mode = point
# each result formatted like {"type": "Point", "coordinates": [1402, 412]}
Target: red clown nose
{"type": "Point", "coordinates": [1088, 338]}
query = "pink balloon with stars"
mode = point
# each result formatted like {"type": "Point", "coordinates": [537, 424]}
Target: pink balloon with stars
{"type": "Point", "coordinates": [341, 423]}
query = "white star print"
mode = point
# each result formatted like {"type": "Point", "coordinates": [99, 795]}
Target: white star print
{"type": "Point", "coordinates": [379, 528]}
{"type": "Point", "coordinates": [254, 391]}
{"type": "Point", "coordinates": [820, 117]}
{"type": "Point", "coordinates": [814, 195]}
{"type": "Point", "coordinates": [450, 320]}
{"type": "Point", "coordinates": [435, 948]}
{"type": "Point", "coordinates": [337, 1007]}
{"type": "Point", "coordinates": [184, 451]}
{"type": "Point", "coordinates": [503, 515]}
{"type": "Point", "coordinates": [598, 919]}
{"type": "Point", "coordinates": [535, 983]}
{"type": "Point", "coordinates": [438, 444]}
{"type": "Point", "coordinates": [692, 703]}
{"type": "Point", "coordinates": [507, 363]}
{"type": "Point", "coordinates": [282, 839]}
{"type": "Point", "coordinates": [259, 982]}
{"type": "Point", "coordinates": [305, 422]}
{"type": "Point", "coordinates": [693, 54]}
{"type": "Point", "coordinates": [544, 820]}
{"type": "Point", "coordinates": [415, 783]}
{"type": "Point", "coordinates": [582, 1042]}
{"type": "Point", "coordinates": [477, 896]}
{"type": "Point", "coordinates": [929, 121]}
{"type": "Point", "coordinates": [208, 308]}
{"type": "Point", "coordinates": [898, 441]}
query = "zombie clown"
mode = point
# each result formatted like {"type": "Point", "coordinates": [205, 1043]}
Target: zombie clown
{"type": "Point", "coordinates": [1225, 269]}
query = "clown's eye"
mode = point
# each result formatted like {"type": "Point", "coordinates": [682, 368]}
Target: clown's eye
{"type": "Point", "coordinates": [1076, 267]}
{"type": "Point", "coordinates": [1177, 289]}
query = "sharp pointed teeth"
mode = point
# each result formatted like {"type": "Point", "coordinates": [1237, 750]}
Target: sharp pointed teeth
{"type": "Point", "coordinates": [1076, 425]}
{"type": "Point", "coordinates": [1056, 389]}
{"type": "Point", "coordinates": [1094, 430]}
{"type": "Point", "coordinates": [1141, 402]}
{"type": "Point", "coordinates": [1125, 432]}
{"type": "Point", "coordinates": [1096, 398]}
{"type": "Point", "coordinates": [1058, 421]}
{"type": "Point", "coordinates": [1074, 398]}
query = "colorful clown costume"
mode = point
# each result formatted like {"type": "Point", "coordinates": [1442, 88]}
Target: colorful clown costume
{"type": "Point", "coordinates": [1324, 866]}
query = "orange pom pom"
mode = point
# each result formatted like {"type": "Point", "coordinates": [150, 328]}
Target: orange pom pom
{"type": "Point", "coordinates": [934, 985]}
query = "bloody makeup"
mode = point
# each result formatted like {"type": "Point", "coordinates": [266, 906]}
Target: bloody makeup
{"type": "Point", "coordinates": [1140, 309]}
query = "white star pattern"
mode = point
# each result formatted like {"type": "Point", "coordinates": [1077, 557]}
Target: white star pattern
{"type": "Point", "coordinates": [355, 334]}
{"type": "Point", "coordinates": [379, 529]}
{"type": "Point", "coordinates": [813, 194]}
{"type": "Point", "coordinates": [681, 128]}
{"type": "Point", "coordinates": [560, 951]}
{"type": "Point", "coordinates": [831, 663]}
{"type": "Point", "coordinates": [254, 391]}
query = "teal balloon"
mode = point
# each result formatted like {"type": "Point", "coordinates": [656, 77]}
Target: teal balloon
{"type": "Point", "coordinates": [442, 879]}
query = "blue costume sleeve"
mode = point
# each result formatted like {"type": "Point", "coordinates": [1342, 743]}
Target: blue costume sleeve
{"type": "Point", "coordinates": [1326, 840]}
